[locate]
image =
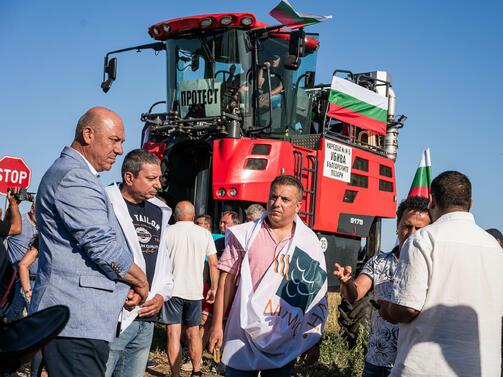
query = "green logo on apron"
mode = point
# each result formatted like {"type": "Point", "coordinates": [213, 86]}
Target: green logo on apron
{"type": "Point", "coordinates": [303, 278]}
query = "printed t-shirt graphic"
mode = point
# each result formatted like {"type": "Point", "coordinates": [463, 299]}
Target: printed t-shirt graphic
{"type": "Point", "coordinates": [147, 220]}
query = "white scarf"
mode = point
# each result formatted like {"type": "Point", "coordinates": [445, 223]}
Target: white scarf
{"type": "Point", "coordinates": [286, 314]}
{"type": "Point", "coordinates": [162, 282]}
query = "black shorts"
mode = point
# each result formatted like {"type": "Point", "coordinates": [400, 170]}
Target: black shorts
{"type": "Point", "coordinates": [178, 310]}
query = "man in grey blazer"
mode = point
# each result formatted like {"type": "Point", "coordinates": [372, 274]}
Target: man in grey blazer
{"type": "Point", "coordinates": [84, 260]}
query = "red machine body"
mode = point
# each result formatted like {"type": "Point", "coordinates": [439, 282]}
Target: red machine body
{"type": "Point", "coordinates": [266, 117]}
{"type": "Point", "coordinates": [239, 164]}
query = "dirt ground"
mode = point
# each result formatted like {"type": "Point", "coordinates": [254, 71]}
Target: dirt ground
{"type": "Point", "coordinates": [160, 370]}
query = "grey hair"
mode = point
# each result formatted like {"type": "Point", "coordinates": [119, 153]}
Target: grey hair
{"type": "Point", "coordinates": [234, 216]}
{"type": "Point", "coordinates": [255, 211]}
{"type": "Point", "coordinates": [134, 161]}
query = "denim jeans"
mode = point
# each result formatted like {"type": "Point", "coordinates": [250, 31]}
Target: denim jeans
{"type": "Point", "coordinates": [371, 370]}
{"type": "Point", "coordinates": [129, 352]}
{"type": "Point", "coordinates": [18, 303]}
{"type": "Point", "coordinates": [284, 371]}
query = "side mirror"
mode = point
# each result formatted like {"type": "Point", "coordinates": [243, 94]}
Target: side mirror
{"type": "Point", "coordinates": [110, 70]}
{"type": "Point", "coordinates": [194, 63]}
{"type": "Point", "coordinates": [309, 79]}
{"type": "Point", "coordinates": [296, 49]}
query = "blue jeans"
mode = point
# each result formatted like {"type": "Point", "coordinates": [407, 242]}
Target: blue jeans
{"type": "Point", "coordinates": [371, 370]}
{"type": "Point", "coordinates": [129, 352]}
{"type": "Point", "coordinates": [18, 302]}
{"type": "Point", "coordinates": [284, 371]}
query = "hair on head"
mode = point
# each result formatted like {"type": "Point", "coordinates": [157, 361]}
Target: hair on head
{"type": "Point", "coordinates": [412, 203]}
{"type": "Point", "coordinates": [289, 180]}
{"type": "Point", "coordinates": [234, 216]}
{"type": "Point", "coordinates": [134, 161]}
{"type": "Point", "coordinates": [452, 189]}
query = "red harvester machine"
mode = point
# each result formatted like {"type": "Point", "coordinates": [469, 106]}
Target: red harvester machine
{"type": "Point", "coordinates": [242, 107]}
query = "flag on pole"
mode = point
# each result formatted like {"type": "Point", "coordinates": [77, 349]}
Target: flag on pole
{"type": "Point", "coordinates": [356, 105]}
{"type": "Point", "coordinates": [421, 185]}
{"type": "Point", "coordinates": [286, 15]}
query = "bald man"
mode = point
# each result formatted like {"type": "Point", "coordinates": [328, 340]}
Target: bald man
{"type": "Point", "coordinates": [188, 246]}
{"type": "Point", "coordinates": [84, 260]}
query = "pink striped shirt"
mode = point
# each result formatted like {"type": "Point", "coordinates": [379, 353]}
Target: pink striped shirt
{"type": "Point", "coordinates": [261, 255]}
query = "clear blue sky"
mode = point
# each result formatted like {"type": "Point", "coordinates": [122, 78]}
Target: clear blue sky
{"type": "Point", "coordinates": [444, 57]}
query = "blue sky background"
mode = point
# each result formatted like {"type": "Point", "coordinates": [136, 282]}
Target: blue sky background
{"type": "Point", "coordinates": [445, 59]}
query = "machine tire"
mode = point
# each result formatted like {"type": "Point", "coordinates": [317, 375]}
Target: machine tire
{"type": "Point", "coordinates": [352, 316]}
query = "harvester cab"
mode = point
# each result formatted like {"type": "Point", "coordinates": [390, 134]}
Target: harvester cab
{"type": "Point", "coordinates": [229, 75]}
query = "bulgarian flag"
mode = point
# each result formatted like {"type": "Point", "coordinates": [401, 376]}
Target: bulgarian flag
{"type": "Point", "coordinates": [285, 14]}
{"type": "Point", "coordinates": [356, 105]}
{"type": "Point", "coordinates": [421, 186]}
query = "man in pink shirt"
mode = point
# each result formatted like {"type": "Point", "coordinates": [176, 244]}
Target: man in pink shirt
{"type": "Point", "coordinates": [276, 232]}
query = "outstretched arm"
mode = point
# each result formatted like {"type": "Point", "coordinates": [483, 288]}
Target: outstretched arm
{"type": "Point", "coordinates": [352, 290]}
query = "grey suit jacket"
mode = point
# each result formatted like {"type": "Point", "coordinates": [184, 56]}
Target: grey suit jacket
{"type": "Point", "coordinates": [82, 250]}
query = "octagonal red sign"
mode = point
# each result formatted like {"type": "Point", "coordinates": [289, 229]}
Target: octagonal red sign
{"type": "Point", "coordinates": [14, 172]}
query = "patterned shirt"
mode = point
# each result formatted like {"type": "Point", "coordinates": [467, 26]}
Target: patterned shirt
{"type": "Point", "coordinates": [383, 336]}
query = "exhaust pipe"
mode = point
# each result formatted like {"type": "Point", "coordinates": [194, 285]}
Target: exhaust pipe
{"type": "Point", "coordinates": [391, 138]}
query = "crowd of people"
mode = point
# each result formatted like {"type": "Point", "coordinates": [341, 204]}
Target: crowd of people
{"type": "Point", "coordinates": [255, 293]}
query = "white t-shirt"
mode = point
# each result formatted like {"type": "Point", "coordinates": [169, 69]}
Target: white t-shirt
{"type": "Point", "coordinates": [452, 272]}
{"type": "Point", "coordinates": [188, 245]}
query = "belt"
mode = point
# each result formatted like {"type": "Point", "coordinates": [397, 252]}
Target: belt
{"type": "Point", "coordinates": [33, 277]}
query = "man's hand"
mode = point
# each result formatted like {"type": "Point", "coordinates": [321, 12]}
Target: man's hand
{"type": "Point", "coordinates": [142, 291]}
{"type": "Point", "coordinates": [137, 279]}
{"type": "Point", "coordinates": [151, 307]}
{"type": "Point", "coordinates": [132, 300]}
{"type": "Point", "coordinates": [27, 294]}
{"type": "Point", "coordinates": [11, 196]}
{"type": "Point", "coordinates": [310, 356]}
{"type": "Point", "coordinates": [343, 273]}
{"type": "Point", "coordinates": [210, 296]}
{"type": "Point", "coordinates": [216, 338]}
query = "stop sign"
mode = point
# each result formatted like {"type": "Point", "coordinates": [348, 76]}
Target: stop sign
{"type": "Point", "coordinates": [14, 172]}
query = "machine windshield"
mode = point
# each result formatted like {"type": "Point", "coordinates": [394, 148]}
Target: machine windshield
{"type": "Point", "coordinates": [282, 97]}
{"type": "Point", "coordinates": [207, 75]}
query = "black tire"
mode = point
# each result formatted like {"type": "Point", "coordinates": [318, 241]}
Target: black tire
{"type": "Point", "coordinates": [352, 316]}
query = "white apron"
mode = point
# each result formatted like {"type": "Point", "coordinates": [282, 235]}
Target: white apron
{"type": "Point", "coordinates": [286, 315]}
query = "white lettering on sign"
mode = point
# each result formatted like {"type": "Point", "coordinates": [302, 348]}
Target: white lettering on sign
{"type": "Point", "coordinates": [12, 176]}
{"type": "Point", "coordinates": [337, 163]}
{"type": "Point", "coordinates": [14, 172]}
{"type": "Point", "coordinates": [355, 220]}
{"type": "Point", "coordinates": [205, 92]}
